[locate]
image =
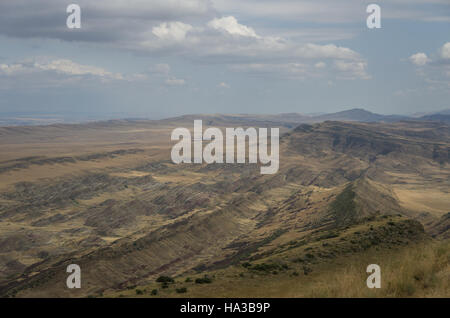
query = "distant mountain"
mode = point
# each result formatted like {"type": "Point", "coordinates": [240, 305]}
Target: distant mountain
{"type": "Point", "coordinates": [360, 115]}
{"type": "Point", "coordinates": [423, 114]}
{"type": "Point", "coordinates": [287, 120]}
{"type": "Point", "coordinates": [290, 119]}
{"type": "Point", "coordinates": [437, 117]}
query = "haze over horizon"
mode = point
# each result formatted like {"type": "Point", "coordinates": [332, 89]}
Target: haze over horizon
{"type": "Point", "coordinates": [161, 59]}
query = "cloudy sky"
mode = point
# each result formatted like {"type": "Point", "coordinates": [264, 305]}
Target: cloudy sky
{"type": "Point", "coordinates": [159, 58]}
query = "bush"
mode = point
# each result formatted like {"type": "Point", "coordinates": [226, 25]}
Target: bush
{"type": "Point", "coordinates": [265, 267]}
{"type": "Point", "coordinates": [154, 292]}
{"type": "Point", "coordinates": [165, 279]}
{"type": "Point", "coordinates": [188, 280]}
{"type": "Point", "coordinates": [181, 290]}
{"type": "Point", "coordinates": [246, 265]}
{"type": "Point", "coordinates": [139, 292]}
{"type": "Point", "coordinates": [203, 280]}
{"type": "Point", "coordinates": [309, 256]}
{"type": "Point", "coordinates": [306, 270]}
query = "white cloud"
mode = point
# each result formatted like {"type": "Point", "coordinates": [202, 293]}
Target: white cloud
{"type": "Point", "coordinates": [59, 66]}
{"type": "Point", "coordinates": [348, 70]}
{"type": "Point", "coordinates": [68, 67]}
{"type": "Point", "coordinates": [326, 51]}
{"type": "Point", "coordinates": [47, 72]}
{"type": "Point", "coordinates": [172, 31]}
{"type": "Point", "coordinates": [419, 59]}
{"type": "Point", "coordinates": [434, 72]}
{"type": "Point", "coordinates": [445, 51]}
{"type": "Point", "coordinates": [223, 85]}
{"type": "Point", "coordinates": [225, 40]}
{"type": "Point", "coordinates": [352, 69]}
{"type": "Point", "coordinates": [230, 25]}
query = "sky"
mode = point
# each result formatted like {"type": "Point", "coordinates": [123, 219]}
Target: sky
{"type": "Point", "coordinates": [162, 58]}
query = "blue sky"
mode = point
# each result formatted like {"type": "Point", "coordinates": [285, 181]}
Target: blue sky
{"type": "Point", "coordinates": [162, 58]}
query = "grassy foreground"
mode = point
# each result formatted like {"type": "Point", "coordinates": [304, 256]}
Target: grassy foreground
{"type": "Point", "coordinates": [416, 270]}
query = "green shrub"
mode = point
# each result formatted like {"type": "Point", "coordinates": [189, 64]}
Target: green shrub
{"type": "Point", "coordinates": [139, 292]}
{"type": "Point", "coordinates": [154, 292]}
{"type": "Point", "coordinates": [263, 267]}
{"type": "Point", "coordinates": [181, 290]}
{"type": "Point", "coordinates": [203, 280]}
{"type": "Point", "coordinates": [165, 279]}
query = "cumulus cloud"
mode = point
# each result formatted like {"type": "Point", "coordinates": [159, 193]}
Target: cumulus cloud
{"type": "Point", "coordinates": [419, 59]}
{"type": "Point", "coordinates": [445, 51]}
{"type": "Point", "coordinates": [352, 69]}
{"type": "Point", "coordinates": [226, 40]}
{"type": "Point", "coordinates": [436, 71]}
{"type": "Point", "coordinates": [231, 25]}
{"type": "Point", "coordinates": [172, 31]}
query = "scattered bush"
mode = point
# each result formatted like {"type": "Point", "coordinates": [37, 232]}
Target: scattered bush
{"type": "Point", "coordinates": [203, 280]}
{"type": "Point", "coordinates": [181, 290]}
{"type": "Point", "coordinates": [165, 279]}
{"type": "Point", "coordinates": [263, 267]}
{"type": "Point", "coordinates": [306, 270]}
